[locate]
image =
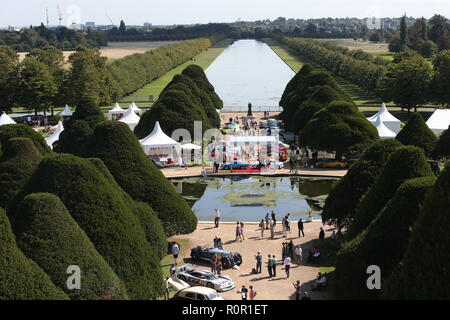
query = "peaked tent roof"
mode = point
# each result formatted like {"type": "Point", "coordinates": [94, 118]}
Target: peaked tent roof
{"type": "Point", "coordinates": [157, 138]}
{"type": "Point", "coordinates": [439, 120]}
{"type": "Point", "coordinates": [5, 119]}
{"type": "Point", "coordinates": [116, 109]}
{"type": "Point", "coordinates": [384, 115]}
{"type": "Point", "coordinates": [66, 112]}
{"type": "Point", "coordinates": [130, 118]}
{"type": "Point", "coordinates": [135, 108]}
{"type": "Point", "coordinates": [383, 131]}
{"type": "Point", "coordinates": [55, 135]}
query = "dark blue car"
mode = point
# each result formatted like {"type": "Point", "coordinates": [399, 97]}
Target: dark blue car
{"type": "Point", "coordinates": [206, 253]}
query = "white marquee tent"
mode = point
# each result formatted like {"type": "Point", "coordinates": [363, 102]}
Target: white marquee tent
{"type": "Point", "coordinates": [130, 118]}
{"type": "Point", "coordinates": [383, 131]}
{"type": "Point", "coordinates": [160, 147]}
{"type": "Point", "coordinates": [388, 119]}
{"type": "Point", "coordinates": [5, 119]}
{"type": "Point", "coordinates": [135, 109]}
{"type": "Point", "coordinates": [66, 112]}
{"type": "Point", "coordinates": [55, 135]}
{"type": "Point", "coordinates": [117, 112]}
{"type": "Point", "coordinates": [439, 121]}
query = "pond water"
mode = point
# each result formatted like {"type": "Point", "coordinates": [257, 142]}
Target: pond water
{"type": "Point", "coordinates": [249, 71]}
{"type": "Point", "coordinates": [250, 198]}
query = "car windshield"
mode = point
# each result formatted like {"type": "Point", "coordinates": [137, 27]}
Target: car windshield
{"type": "Point", "coordinates": [212, 296]}
{"type": "Point", "coordinates": [211, 276]}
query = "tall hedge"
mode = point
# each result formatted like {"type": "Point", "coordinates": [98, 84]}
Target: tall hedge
{"type": "Point", "coordinates": [20, 277]}
{"type": "Point", "coordinates": [345, 195]}
{"type": "Point", "coordinates": [99, 210]}
{"type": "Point", "coordinates": [47, 234]}
{"type": "Point", "coordinates": [9, 131]}
{"type": "Point", "coordinates": [115, 144]}
{"type": "Point", "coordinates": [19, 160]}
{"type": "Point", "coordinates": [417, 133]}
{"type": "Point", "coordinates": [424, 272]}
{"type": "Point", "coordinates": [404, 163]}
{"type": "Point", "coordinates": [294, 82]}
{"type": "Point", "coordinates": [442, 147]}
{"type": "Point", "coordinates": [382, 243]}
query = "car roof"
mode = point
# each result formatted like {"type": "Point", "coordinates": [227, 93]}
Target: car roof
{"type": "Point", "coordinates": [198, 289]}
{"type": "Point", "coordinates": [216, 250]}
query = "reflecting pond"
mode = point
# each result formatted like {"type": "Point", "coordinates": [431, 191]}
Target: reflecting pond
{"type": "Point", "coordinates": [250, 198]}
{"type": "Point", "coordinates": [249, 71]}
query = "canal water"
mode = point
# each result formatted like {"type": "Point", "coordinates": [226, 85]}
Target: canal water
{"type": "Point", "coordinates": [249, 71]}
{"type": "Point", "coordinates": [250, 198]}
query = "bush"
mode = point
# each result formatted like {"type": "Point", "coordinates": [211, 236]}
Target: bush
{"type": "Point", "coordinates": [442, 147]}
{"type": "Point", "coordinates": [21, 278]}
{"type": "Point", "coordinates": [294, 83]}
{"type": "Point", "coordinates": [47, 234]}
{"type": "Point", "coordinates": [17, 164]}
{"type": "Point", "coordinates": [74, 138]}
{"type": "Point", "coordinates": [423, 272]}
{"type": "Point", "coordinates": [345, 195]}
{"type": "Point", "coordinates": [100, 211]}
{"type": "Point", "coordinates": [403, 164]}
{"type": "Point", "coordinates": [115, 144]}
{"type": "Point", "coordinates": [382, 243]}
{"type": "Point", "coordinates": [417, 133]}
{"type": "Point", "coordinates": [9, 131]}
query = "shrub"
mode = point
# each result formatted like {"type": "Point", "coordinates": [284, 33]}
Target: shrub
{"type": "Point", "coordinates": [294, 82]}
{"type": "Point", "coordinates": [100, 211]}
{"type": "Point", "coordinates": [417, 133]}
{"type": "Point", "coordinates": [17, 164]}
{"type": "Point", "coordinates": [442, 147]}
{"type": "Point", "coordinates": [74, 138]}
{"type": "Point", "coordinates": [47, 234]}
{"type": "Point", "coordinates": [382, 243]}
{"type": "Point", "coordinates": [115, 144]}
{"type": "Point", "coordinates": [21, 278]}
{"type": "Point", "coordinates": [9, 131]}
{"type": "Point", "coordinates": [424, 270]}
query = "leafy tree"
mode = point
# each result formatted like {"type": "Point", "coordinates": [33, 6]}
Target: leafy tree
{"type": "Point", "coordinates": [99, 210]}
{"type": "Point", "coordinates": [9, 77]}
{"type": "Point", "coordinates": [121, 152]}
{"type": "Point", "coordinates": [382, 243]}
{"type": "Point", "coordinates": [442, 147]}
{"type": "Point", "coordinates": [17, 164]}
{"type": "Point", "coordinates": [441, 78]}
{"type": "Point", "coordinates": [404, 163]}
{"type": "Point", "coordinates": [403, 39]}
{"type": "Point", "coordinates": [439, 32]}
{"type": "Point", "coordinates": [417, 133]}
{"type": "Point", "coordinates": [341, 203]}
{"type": "Point", "coordinates": [122, 27]}
{"type": "Point", "coordinates": [395, 45]}
{"type": "Point", "coordinates": [21, 278]}
{"type": "Point", "coordinates": [422, 273]}
{"type": "Point", "coordinates": [338, 128]}
{"type": "Point", "coordinates": [427, 49]}
{"type": "Point", "coordinates": [47, 234]}
{"type": "Point", "coordinates": [9, 131]}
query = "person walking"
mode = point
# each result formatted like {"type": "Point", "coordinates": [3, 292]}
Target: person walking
{"type": "Point", "coordinates": [269, 266]}
{"type": "Point", "coordinates": [261, 226]}
{"type": "Point", "coordinates": [242, 230]}
{"type": "Point", "coordinates": [297, 289]}
{"type": "Point", "coordinates": [287, 265]}
{"type": "Point", "coordinates": [300, 227]}
{"type": "Point", "coordinates": [238, 231]}
{"type": "Point", "coordinates": [299, 254]}
{"type": "Point", "coordinates": [267, 218]}
{"type": "Point", "coordinates": [175, 252]}
{"type": "Point", "coordinates": [217, 218]}
{"type": "Point", "coordinates": [166, 288]}
{"type": "Point", "coordinates": [252, 293]}
{"type": "Point", "coordinates": [274, 266]}
{"type": "Point", "coordinates": [258, 262]}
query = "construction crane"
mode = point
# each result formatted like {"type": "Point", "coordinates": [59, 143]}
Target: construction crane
{"type": "Point", "coordinates": [110, 20]}
{"type": "Point", "coordinates": [48, 22]}
{"type": "Point", "coordinates": [59, 15]}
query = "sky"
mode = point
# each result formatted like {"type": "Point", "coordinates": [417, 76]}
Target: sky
{"type": "Point", "coordinates": [169, 12]}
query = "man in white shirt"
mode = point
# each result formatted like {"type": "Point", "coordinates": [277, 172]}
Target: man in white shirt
{"type": "Point", "coordinates": [299, 254]}
{"type": "Point", "coordinates": [175, 252]}
{"type": "Point", "coordinates": [217, 218]}
{"type": "Point", "coordinates": [287, 265]}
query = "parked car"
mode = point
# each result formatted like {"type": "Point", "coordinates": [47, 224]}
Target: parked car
{"type": "Point", "coordinates": [331, 163]}
{"type": "Point", "coordinates": [199, 277]}
{"type": "Point", "coordinates": [206, 253]}
{"type": "Point", "coordinates": [197, 293]}
{"type": "Point", "coordinates": [229, 127]}
{"type": "Point", "coordinates": [237, 164]}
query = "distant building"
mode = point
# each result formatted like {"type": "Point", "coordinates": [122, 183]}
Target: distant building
{"type": "Point", "coordinates": [147, 24]}
{"type": "Point", "coordinates": [90, 25]}
{"type": "Point", "coordinates": [76, 26]}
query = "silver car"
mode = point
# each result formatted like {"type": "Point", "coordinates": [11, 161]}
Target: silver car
{"type": "Point", "coordinates": [199, 277]}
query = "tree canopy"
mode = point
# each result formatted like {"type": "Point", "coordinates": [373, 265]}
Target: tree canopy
{"type": "Point", "coordinates": [9, 131]}
{"type": "Point", "coordinates": [442, 147]}
{"type": "Point", "coordinates": [417, 133]}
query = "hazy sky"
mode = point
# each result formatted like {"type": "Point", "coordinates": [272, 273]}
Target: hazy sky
{"type": "Point", "coordinates": [167, 12]}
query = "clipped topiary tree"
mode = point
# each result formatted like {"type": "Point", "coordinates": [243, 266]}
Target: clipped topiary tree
{"type": "Point", "coordinates": [442, 147]}
{"type": "Point", "coordinates": [294, 82]}
{"type": "Point", "coordinates": [345, 195]}
{"type": "Point", "coordinates": [17, 164]}
{"type": "Point", "coordinates": [417, 133]}
{"type": "Point", "coordinates": [20, 277]}
{"type": "Point", "coordinates": [9, 131]}
{"type": "Point", "coordinates": [47, 234]}
{"type": "Point", "coordinates": [121, 152]}
{"type": "Point", "coordinates": [99, 210]}
{"type": "Point", "coordinates": [424, 270]}
{"type": "Point", "coordinates": [404, 163]}
{"type": "Point", "coordinates": [382, 243]}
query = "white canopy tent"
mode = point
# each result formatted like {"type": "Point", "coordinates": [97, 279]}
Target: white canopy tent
{"type": "Point", "coordinates": [66, 112]}
{"type": "Point", "coordinates": [439, 121]}
{"type": "Point", "coordinates": [5, 119]}
{"type": "Point", "coordinates": [130, 118]}
{"type": "Point", "coordinates": [383, 131]}
{"type": "Point", "coordinates": [135, 109]}
{"type": "Point", "coordinates": [161, 148]}
{"type": "Point", "coordinates": [116, 113]}
{"type": "Point", "coordinates": [55, 135]}
{"type": "Point", "coordinates": [387, 119]}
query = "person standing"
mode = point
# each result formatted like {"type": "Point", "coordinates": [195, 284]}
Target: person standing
{"type": "Point", "coordinates": [220, 244]}
{"type": "Point", "coordinates": [238, 231]}
{"type": "Point", "coordinates": [300, 227]}
{"type": "Point", "coordinates": [219, 267]}
{"type": "Point", "coordinates": [267, 218]}
{"type": "Point", "coordinates": [283, 225]}
{"type": "Point", "coordinates": [297, 289]}
{"type": "Point", "coordinates": [217, 218]}
{"type": "Point", "coordinates": [299, 254]}
{"type": "Point", "coordinates": [242, 230]}
{"type": "Point", "coordinates": [321, 234]}
{"type": "Point", "coordinates": [283, 251]}
{"type": "Point", "coordinates": [287, 265]}
{"type": "Point", "coordinates": [291, 249]}
{"type": "Point", "coordinates": [261, 226]}
{"type": "Point", "coordinates": [252, 293]}
{"type": "Point", "coordinates": [288, 223]}
{"type": "Point", "coordinates": [243, 291]}
{"type": "Point", "coordinates": [272, 228]}
{"type": "Point", "coordinates": [175, 252]}
{"type": "Point", "coordinates": [269, 266]}
{"type": "Point", "coordinates": [258, 262]}
{"type": "Point", "coordinates": [213, 263]}
{"type": "Point", "coordinates": [166, 288]}
{"type": "Point", "coordinates": [216, 242]}
{"type": "Point", "coordinates": [274, 266]}
{"type": "Point", "coordinates": [274, 218]}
